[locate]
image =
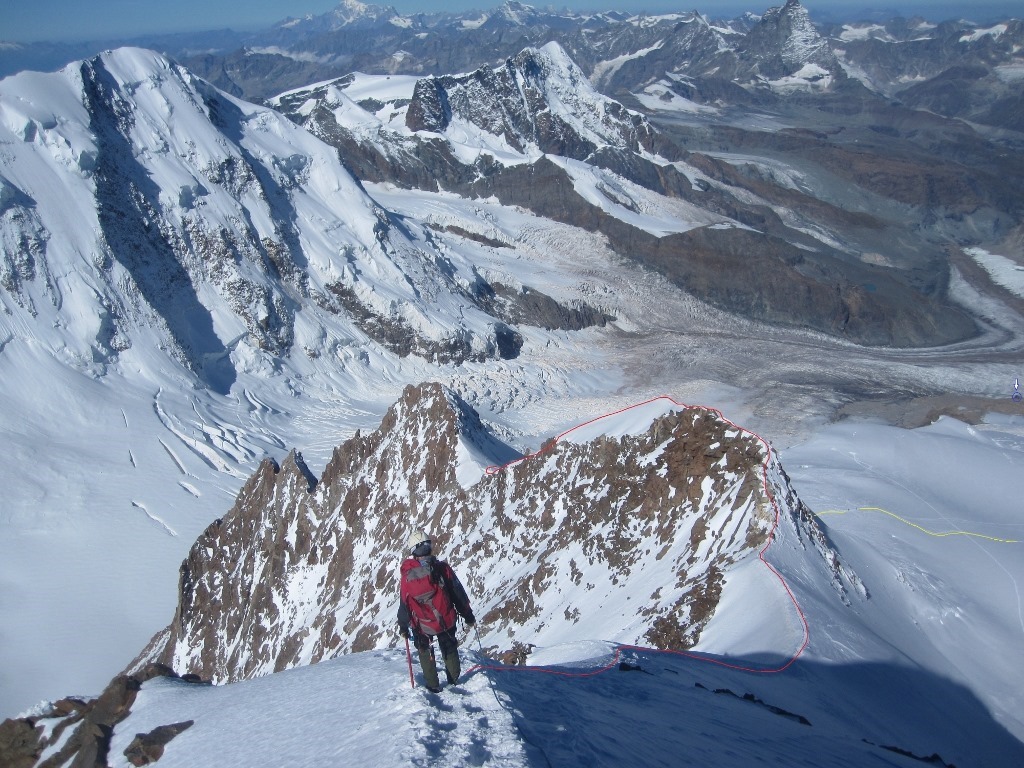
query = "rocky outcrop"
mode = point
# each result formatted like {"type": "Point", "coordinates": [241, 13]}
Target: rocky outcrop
{"type": "Point", "coordinates": [77, 732]}
{"type": "Point", "coordinates": [547, 547]}
{"type": "Point", "coordinates": [527, 306]}
{"type": "Point", "coordinates": [402, 339]}
{"type": "Point", "coordinates": [147, 748]}
{"type": "Point", "coordinates": [20, 743]}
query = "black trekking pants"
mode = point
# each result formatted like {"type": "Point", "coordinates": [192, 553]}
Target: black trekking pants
{"type": "Point", "coordinates": [449, 646]}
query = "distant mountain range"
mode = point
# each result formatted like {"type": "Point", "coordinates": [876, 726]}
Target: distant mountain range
{"type": "Point", "coordinates": [956, 68]}
{"type": "Point", "coordinates": [223, 191]}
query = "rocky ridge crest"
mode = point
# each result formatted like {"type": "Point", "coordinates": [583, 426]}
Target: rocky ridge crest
{"type": "Point", "coordinates": [549, 548]}
{"type": "Point", "coordinates": [537, 99]}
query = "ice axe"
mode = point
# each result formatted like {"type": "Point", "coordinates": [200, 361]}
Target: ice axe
{"type": "Point", "coordinates": [409, 657]}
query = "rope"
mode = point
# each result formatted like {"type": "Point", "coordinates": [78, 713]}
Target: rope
{"type": "Point", "coordinates": [511, 713]}
{"type": "Point", "coordinates": [616, 657]}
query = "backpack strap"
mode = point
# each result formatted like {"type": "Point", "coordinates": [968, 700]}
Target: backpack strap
{"type": "Point", "coordinates": [422, 570]}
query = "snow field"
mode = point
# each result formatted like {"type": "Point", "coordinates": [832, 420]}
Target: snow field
{"type": "Point", "coordinates": [357, 709]}
{"type": "Point", "coordinates": [952, 604]}
{"type": "Point", "coordinates": [755, 618]}
{"type": "Point", "coordinates": [634, 205]}
{"type": "Point", "coordinates": [1004, 271]}
{"type": "Point", "coordinates": [95, 541]}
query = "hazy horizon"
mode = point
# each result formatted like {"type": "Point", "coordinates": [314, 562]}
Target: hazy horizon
{"type": "Point", "coordinates": [66, 21]}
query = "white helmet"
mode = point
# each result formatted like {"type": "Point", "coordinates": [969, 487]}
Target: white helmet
{"type": "Point", "coordinates": [417, 537]}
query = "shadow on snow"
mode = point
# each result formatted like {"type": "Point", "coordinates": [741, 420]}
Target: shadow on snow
{"type": "Point", "coordinates": [663, 709]}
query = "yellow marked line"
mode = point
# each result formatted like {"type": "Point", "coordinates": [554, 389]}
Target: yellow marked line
{"type": "Point", "coordinates": [915, 525]}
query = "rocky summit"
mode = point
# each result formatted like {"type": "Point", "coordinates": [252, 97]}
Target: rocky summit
{"type": "Point", "coordinates": [539, 98]}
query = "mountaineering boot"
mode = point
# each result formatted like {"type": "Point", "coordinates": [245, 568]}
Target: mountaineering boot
{"type": "Point", "coordinates": [429, 669]}
{"type": "Point", "coordinates": [452, 667]}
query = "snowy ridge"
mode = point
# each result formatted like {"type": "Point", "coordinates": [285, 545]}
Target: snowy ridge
{"type": "Point", "coordinates": [628, 538]}
{"type": "Point", "coordinates": [848, 701]}
{"type": "Point", "coordinates": [650, 710]}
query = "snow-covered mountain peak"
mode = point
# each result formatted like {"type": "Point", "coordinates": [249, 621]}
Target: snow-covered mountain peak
{"type": "Point", "coordinates": [516, 13]}
{"type": "Point", "coordinates": [700, 18]}
{"type": "Point", "coordinates": [165, 206]}
{"type": "Point", "coordinates": [538, 101]}
{"type": "Point", "coordinates": [555, 59]}
{"type": "Point", "coordinates": [788, 52]}
{"type": "Point", "coordinates": [790, 25]}
{"type": "Point", "coordinates": [354, 13]}
{"type": "Point", "coordinates": [348, 17]}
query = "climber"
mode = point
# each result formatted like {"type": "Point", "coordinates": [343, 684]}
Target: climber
{"type": "Point", "coordinates": [431, 596]}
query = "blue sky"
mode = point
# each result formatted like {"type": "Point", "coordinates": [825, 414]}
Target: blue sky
{"type": "Point", "coordinates": [30, 20]}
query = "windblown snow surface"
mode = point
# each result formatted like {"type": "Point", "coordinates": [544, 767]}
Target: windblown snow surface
{"type": "Point", "coordinates": [644, 709]}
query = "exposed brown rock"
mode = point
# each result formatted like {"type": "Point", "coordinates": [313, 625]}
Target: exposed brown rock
{"type": "Point", "coordinates": [516, 655]}
{"type": "Point", "coordinates": [147, 748]}
{"type": "Point", "coordinates": [681, 627]}
{"type": "Point", "coordinates": [89, 725]}
{"type": "Point", "coordinates": [400, 338]}
{"type": "Point", "coordinates": [21, 743]}
{"type": "Point", "coordinates": [298, 572]}
{"type": "Point", "coordinates": [527, 306]}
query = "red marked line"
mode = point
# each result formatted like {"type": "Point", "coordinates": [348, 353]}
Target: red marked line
{"type": "Point", "coordinates": [740, 666]}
